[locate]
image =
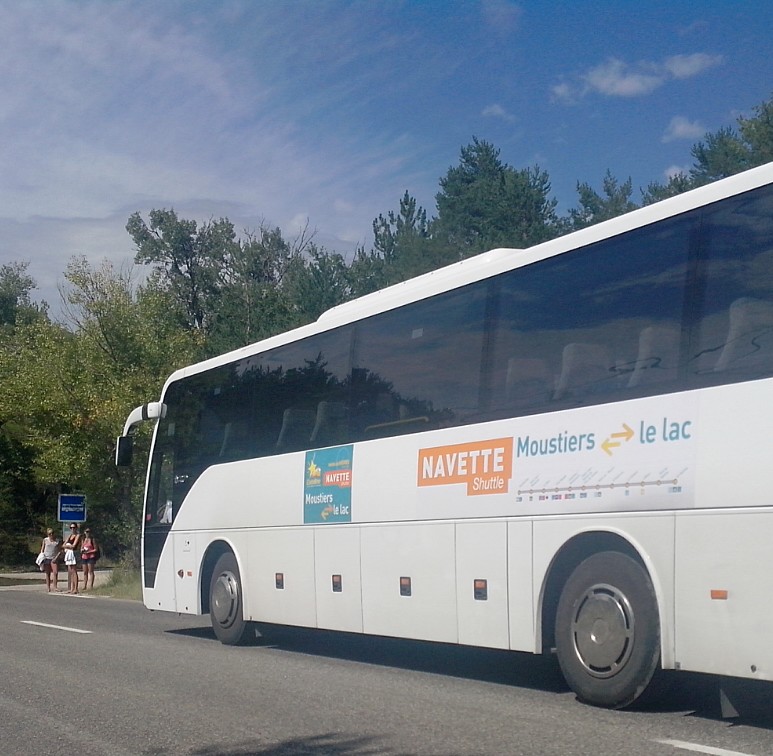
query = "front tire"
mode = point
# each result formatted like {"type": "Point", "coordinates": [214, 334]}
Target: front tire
{"type": "Point", "coordinates": [608, 631]}
{"type": "Point", "coordinates": [226, 608]}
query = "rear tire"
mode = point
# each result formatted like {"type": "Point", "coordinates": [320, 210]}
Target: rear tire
{"type": "Point", "coordinates": [226, 608]}
{"type": "Point", "coordinates": [608, 630]}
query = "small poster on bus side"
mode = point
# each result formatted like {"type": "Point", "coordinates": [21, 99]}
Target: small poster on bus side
{"type": "Point", "coordinates": [327, 488]}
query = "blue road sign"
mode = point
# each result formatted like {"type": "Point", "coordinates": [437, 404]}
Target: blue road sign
{"type": "Point", "coordinates": [72, 508]}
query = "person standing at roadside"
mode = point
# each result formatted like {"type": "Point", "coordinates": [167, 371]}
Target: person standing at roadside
{"type": "Point", "coordinates": [71, 549]}
{"type": "Point", "coordinates": [50, 551]}
{"type": "Point", "coordinates": [89, 556]}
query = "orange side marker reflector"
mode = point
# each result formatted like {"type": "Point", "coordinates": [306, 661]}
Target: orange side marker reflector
{"type": "Point", "coordinates": [718, 595]}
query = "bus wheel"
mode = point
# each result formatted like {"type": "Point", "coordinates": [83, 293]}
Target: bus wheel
{"type": "Point", "coordinates": [225, 602]}
{"type": "Point", "coordinates": [607, 630]}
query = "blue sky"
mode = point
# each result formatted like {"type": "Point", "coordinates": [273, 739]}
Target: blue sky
{"type": "Point", "coordinates": [325, 111]}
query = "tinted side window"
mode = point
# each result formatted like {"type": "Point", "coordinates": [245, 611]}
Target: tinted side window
{"type": "Point", "coordinates": [419, 367]}
{"type": "Point", "coordinates": [304, 393]}
{"type": "Point", "coordinates": [734, 324]}
{"type": "Point", "coordinates": [593, 325]}
{"type": "Point", "coordinates": [293, 397]}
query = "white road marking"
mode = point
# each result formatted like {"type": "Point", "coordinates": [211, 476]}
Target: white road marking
{"type": "Point", "coordinates": [697, 748]}
{"type": "Point", "coordinates": [56, 627]}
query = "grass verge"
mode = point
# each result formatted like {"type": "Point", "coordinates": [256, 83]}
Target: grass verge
{"type": "Point", "coordinates": [123, 583]}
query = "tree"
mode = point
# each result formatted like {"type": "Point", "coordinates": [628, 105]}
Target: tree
{"type": "Point", "coordinates": [126, 342]}
{"type": "Point", "coordinates": [367, 273]}
{"type": "Point", "coordinates": [249, 305]}
{"type": "Point", "coordinates": [22, 499]}
{"type": "Point", "coordinates": [722, 154]}
{"type": "Point", "coordinates": [314, 283]}
{"type": "Point", "coordinates": [15, 288]}
{"type": "Point", "coordinates": [271, 285]}
{"type": "Point", "coordinates": [67, 390]}
{"type": "Point", "coordinates": [403, 248]}
{"type": "Point", "coordinates": [757, 133]}
{"type": "Point", "coordinates": [190, 257]}
{"type": "Point", "coordinates": [595, 208]}
{"type": "Point", "coordinates": [231, 290]}
{"type": "Point", "coordinates": [22, 502]}
{"type": "Point", "coordinates": [677, 184]}
{"type": "Point", "coordinates": [398, 230]}
{"type": "Point", "coordinates": [727, 152]}
{"type": "Point", "coordinates": [484, 203]}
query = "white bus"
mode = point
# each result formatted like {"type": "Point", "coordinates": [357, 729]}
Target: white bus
{"type": "Point", "coordinates": [563, 448]}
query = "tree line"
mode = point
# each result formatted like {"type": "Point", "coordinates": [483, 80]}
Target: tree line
{"type": "Point", "coordinates": [200, 289]}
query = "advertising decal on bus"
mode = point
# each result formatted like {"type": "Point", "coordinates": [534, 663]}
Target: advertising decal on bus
{"type": "Point", "coordinates": [599, 455]}
{"type": "Point", "coordinates": [649, 455]}
{"type": "Point", "coordinates": [327, 489]}
{"type": "Point", "coordinates": [485, 467]}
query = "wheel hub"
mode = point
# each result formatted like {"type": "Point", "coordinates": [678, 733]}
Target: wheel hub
{"type": "Point", "coordinates": [225, 599]}
{"type": "Point", "coordinates": [603, 630]}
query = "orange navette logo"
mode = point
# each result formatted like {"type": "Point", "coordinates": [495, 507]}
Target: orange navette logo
{"type": "Point", "coordinates": [485, 466]}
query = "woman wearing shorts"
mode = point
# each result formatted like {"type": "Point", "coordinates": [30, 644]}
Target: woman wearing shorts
{"type": "Point", "coordinates": [89, 556]}
{"type": "Point", "coordinates": [72, 550]}
{"type": "Point", "coordinates": [50, 551]}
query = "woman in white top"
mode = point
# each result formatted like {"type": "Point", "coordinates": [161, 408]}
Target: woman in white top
{"type": "Point", "coordinates": [50, 551]}
{"type": "Point", "coordinates": [72, 548]}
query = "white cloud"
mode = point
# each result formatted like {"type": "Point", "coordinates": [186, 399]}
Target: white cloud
{"type": "Point", "coordinates": [564, 93]}
{"type": "Point", "coordinates": [497, 111]}
{"type": "Point", "coordinates": [686, 66]}
{"type": "Point", "coordinates": [682, 128]}
{"type": "Point", "coordinates": [617, 78]}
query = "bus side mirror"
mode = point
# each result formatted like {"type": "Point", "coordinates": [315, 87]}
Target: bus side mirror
{"type": "Point", "coordinates": [124, 449]}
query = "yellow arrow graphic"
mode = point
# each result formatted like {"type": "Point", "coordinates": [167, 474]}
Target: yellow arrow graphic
{"type": "Point", "coordinates": [608, 444]}
{"type": "Point", "coordinates": [627, 434]}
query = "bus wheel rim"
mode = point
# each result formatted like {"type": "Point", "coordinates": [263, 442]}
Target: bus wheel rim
{"type": "Point", "coordinates": [603, 630]}
{"type": "Point", "coordinates": [225, 599]}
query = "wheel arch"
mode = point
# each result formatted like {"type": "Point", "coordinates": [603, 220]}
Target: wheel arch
{"type": "Point", "coordinates": [570, 555]}
{"type": "Point", "coordinates": [214, 551]}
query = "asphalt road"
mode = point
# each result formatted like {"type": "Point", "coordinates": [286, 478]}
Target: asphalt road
{"type": "Point", "coordinates": [146, 683]}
